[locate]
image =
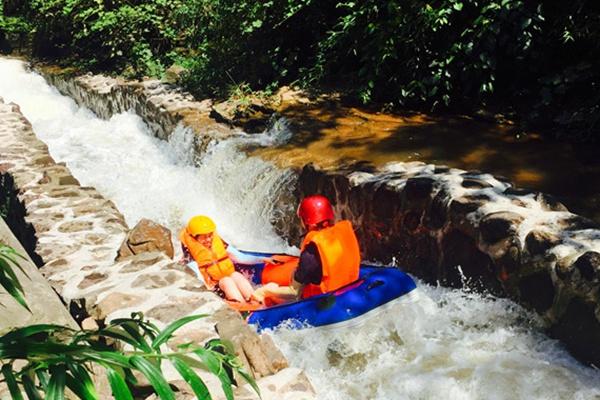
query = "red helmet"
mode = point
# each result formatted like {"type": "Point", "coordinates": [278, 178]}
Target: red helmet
{"type": "Point", "coordinates": [315, 209]}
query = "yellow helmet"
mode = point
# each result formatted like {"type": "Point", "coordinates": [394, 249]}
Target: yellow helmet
{"type": "Point", "coordinates": [200, 225]}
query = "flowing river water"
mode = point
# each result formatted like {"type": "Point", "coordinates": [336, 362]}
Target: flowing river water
{"type": "Point", "coordinates": [438, 343]}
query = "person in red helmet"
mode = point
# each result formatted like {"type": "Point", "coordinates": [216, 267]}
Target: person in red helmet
{"type": "Point", "coordinates": [329, 258]}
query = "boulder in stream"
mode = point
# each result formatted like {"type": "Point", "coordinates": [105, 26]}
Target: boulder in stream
{"type": "Point", "coordinates": [147, 236]}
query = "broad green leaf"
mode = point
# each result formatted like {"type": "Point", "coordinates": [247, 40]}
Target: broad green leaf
{"type": "Point", "coordinates": [117, 385]}
{"type": "Point", "coordinates": [119, 334]}
{"type": "Point", "coordinates": [31, 330]}
{"type": "Point", "coordinates": [191, 378]}
{"type": "Point", "coordinates": [56, 386]}
{"type": "Point", "coordinates": [110, 357]}
{"type": "Point", "coordinates": [11, 382]}
{"type": "Point", "coordinates": [43, 377]}
{"type": "Point", "coordinates": [140, 342]}
{"type": "Point", "coordinates": [30, 389]}
{"type": "Point", "coordinates": [249, 379]}
{"type": "Point", "coordinates": [154, 376]}
{"type": "Point", "coordinates": [168, 331]}
{"type": "Point", "coordinates": [13, 287]}
{"type": "Point", "coordinates": [216, 367]}
{"type": "Point", "coordinates": [81, 383]}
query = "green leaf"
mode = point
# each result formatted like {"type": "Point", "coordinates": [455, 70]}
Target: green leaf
{"type": "Point", "coordinates": [249, 379]}
{"type": "Point", "coordinates": [30, 389]}
{"type": "Point", "coordinates": [31, 330]}
{"type": "Point", "coordinates": [11, 382]}
{"type": "Point", "coordinates": [188, 374]}
{"type": "Point", "coordinates": [154, 376]}
{"type": "Point", "coordinates": [168, 331]}
{"type": "Point", "coordinates": [56, 386]}
{"type": "Point", "coordinates": [10, 283]}
{"type": "Point", "coordinates": [81, 383]}
{"type": "Point", "coordinates": [117, 385]}
{"type": "Point", "coordinates": [215, 366]}
{"type": "Point", "coordinates": [140, 342]}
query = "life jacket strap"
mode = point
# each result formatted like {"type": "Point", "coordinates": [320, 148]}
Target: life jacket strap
{"type": "Point", "coordinates": [207, 265]}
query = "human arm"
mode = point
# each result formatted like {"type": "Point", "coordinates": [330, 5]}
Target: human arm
{"type": "Point", "coordinates": [238, 257]}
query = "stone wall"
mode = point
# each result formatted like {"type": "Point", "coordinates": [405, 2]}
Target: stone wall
{"type": "Point", "coordinates": [162, 107]}
{"type": "Point", "coordinates": [466, 228]}
{"type": "Point", "coordinates": [443, 225]}
{"type": "Point", "coordinates": [78, 234]}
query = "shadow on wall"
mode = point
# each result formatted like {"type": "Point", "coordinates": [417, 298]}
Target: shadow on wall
{"type": "Point", "coordinates": [13, 212]}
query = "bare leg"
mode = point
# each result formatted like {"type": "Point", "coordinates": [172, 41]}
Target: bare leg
{"type": "Point", "coordinates": [243, 285]}
{"type": "Point", "coordinates": [229, 287]}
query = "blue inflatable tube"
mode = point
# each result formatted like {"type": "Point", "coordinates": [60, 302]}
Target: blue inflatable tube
{"type": "Point", "coordinates": [375, 287]}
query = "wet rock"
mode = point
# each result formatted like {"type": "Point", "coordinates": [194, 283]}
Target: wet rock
{"type": "Point", "coordinates": [176, 308]}
{"type": "Point", "coordinates": [499, 225]}
{"type": "Point", "coordinates": [576, 223]}
{"type": "Point", "coordinates": [475, 183]}
{"type": "Point", "coordinates": [436, 216]}
{"type": "Point", "coordinates": [513, 191]}
{"type": "Point", "coordinates": [146, 237]}
{"type": "Point", "coordinates": [508, 255]}
{"type": "Point", "coordinates": [539, 242]}
{"type": "Point", "coordinates": [173, 74]}
{"type": "Point", "coordinates": [462, 206]}
{"type": "Point", "coordinates": [411, 221]}
{"type": "Point", "coordinates": [75, 226]}
{"type": "Point", "coordinates": [259, 353]}
{"type": "Point", "coordinates": [550, 203]}
{"type": "Point", "coordinates": [538, 291]}
{"type": "Point", "coordinates": [156, 280]}
{"type": "Point", "coordinates": [113, 302]}
{"type": "Point", "coordinates": [141, 261]}
{"type": "Point", "coordinates": [588, 265]}
{"type": "Point", "coordinates": [92, 279]}
{"type": "Point", "coordinates": [462, 259]}
{"type": "Point", "coordinates": [418, 190]}
{"type": "Point", "coordinates": [579, 329]}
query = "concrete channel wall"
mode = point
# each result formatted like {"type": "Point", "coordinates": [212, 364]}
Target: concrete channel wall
{"type": "Point", "coordinates": [77, 233]}
{"type": "Point", "coordinates": [45, 305]}
{"type": "Point", "coordinates": [444, 225]}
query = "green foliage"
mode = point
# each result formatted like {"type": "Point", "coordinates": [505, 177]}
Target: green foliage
{"type": "Point", "coordinates": [11, 24]}
{"type": "Point", "coordinates": [57, 358]}
{"type": "Point", "coordinates": [48, 359]}
{"type": "Point", "coordinates": [527, 58]}
{"type": "Point", "coordinates": [131, 35]}
{"type": "Point", "coordinates": [8, 279]}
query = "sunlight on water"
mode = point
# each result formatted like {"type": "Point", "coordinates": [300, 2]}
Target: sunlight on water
{"type": "Point", "coordinates": [435, 344]}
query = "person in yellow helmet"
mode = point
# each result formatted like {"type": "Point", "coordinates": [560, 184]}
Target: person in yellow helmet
{"type": "Point", "coordinates": [202, 244]}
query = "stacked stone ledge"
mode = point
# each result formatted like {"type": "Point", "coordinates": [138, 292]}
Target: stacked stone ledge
{"type": "Point", "coordinates": [470, 229]}
{"type": "Point", "coordinates": [161, 106]}
{"type": "Point", "coordinates": [78, 234]}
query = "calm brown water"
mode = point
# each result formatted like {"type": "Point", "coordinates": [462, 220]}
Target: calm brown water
{"type": "Point", "coordinates": [330, 136]}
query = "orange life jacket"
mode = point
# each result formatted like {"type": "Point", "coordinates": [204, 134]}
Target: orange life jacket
{"type": "Point", "coordinates": [340, 257]}
{"type": "Point", "coordinates": [213, 263]}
